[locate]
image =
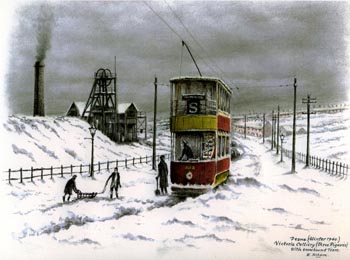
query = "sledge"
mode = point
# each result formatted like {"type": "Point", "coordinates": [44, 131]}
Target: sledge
{"type": "Point", "coordinates": [87, 195]}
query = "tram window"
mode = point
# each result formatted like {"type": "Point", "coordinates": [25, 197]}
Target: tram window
{"type": "Point", "coordinates": [223, 146]}
{"type": "Point", "coordinates": [227, 145]}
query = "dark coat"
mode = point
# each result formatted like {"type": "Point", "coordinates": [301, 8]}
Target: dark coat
{"type": "Point", "coordinates": [115, 180]}
{"type": "Point", "coordinates": [163, 174]}
{"type": "Point", "coordinates": [187, 151]}
{"type": "Point", "coordinates": [70, 186]}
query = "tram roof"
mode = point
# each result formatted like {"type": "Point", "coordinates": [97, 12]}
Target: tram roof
{"type": "Point", "coordinates": [175, 79]}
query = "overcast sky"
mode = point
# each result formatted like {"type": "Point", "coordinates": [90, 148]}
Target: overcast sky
{"type": "Point", "coordinates": [253, 46]}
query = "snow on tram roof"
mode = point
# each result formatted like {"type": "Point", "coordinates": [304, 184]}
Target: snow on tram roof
{"type": "Point", "coordinates": [201, 78]}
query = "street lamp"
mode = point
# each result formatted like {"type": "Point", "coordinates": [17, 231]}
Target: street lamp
{"type": "Point", "coordinates": [282, 138]}
{"type": "Point", "coordinates": [92, 130]}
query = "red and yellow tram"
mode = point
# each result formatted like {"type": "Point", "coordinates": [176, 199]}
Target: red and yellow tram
{"type": "Point", "coordinates": [200, 134]}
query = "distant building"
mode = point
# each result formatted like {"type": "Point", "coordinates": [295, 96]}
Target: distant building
{"type": "Point", "coordinates": [130, 122]}
{"type": "Point", "coordinates": [76, 109]}
{"type": "Point", "coordinates": [253, 128]}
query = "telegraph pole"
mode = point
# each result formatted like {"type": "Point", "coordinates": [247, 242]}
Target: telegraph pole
{"type": "Point", "coordinates": [272, 129]}
{"type": "Point", "coordinates": [245, 126]}
{"type": "Point", "coordinates": [278, 128]}
{"type": "Point", "coordinates": [264, 128]}
{"type": "Point", "coordinates": [308, 101]}
{"type": "Point", "coordinates": [294, 124]}
{"type": "Point", "coordinates": [154, 125]}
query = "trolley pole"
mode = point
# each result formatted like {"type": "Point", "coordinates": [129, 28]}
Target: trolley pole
{"type": "Point", "coordinates": [294, 124]}
{"type": "Point", "coordinates": [154, 125]}
{"type": "Point", "coordinates": [308, 101]}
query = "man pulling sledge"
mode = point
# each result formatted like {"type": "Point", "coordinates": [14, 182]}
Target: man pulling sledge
{"type": "Point", "coordinates": [69, 188]}
{"type": "Point", "coordinates": [115, 182]}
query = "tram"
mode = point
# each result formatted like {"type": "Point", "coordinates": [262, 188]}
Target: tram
{"type": "Point", "coordinates": [200, 134]}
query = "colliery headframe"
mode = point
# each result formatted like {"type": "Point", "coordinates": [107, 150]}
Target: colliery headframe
{"type": "Point", "coordinates": [102, 110]}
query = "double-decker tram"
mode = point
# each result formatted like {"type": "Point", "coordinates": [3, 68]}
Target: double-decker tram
{"type": "Point", "coordinates": [200, 134]}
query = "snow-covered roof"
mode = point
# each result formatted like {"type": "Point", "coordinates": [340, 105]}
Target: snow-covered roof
{"type": "Point", "coordinates": [124, 106]}
{"type": "Point", "coordinates": [80, 105]}
{"type": "Point", "coordinates": [201, 78]}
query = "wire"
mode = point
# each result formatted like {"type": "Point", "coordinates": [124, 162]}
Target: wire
{"type": "Point", "coordinates": [173, 30]}
{"type": "Point", "coordinates": [199, 44]}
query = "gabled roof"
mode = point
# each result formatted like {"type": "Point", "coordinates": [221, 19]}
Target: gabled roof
{"type": "Point", "coordinates": [80, 105]}
{"type": "Point", "coordinates": [124, 106]}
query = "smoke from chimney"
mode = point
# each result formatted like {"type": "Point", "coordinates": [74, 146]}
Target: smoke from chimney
{"type": "Point", "coordinates": [43, 33]}
{"type": "Point", "coordinates": [44, 27]}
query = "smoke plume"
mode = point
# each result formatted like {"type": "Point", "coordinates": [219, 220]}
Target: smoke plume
{"type": "Point", "coordinates": [44, 29]}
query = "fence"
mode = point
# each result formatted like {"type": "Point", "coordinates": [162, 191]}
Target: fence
{"type": "Point", "coordinates": [32, 173]}
{"type": "Point", "coordinates": [331, 167]}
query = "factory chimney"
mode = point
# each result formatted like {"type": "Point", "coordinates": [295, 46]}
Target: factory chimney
{"type": "Point", "coordinates": [39, 109]}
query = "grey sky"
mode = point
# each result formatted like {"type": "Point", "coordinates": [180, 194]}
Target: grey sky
{"type": "Point", "coordinates": [252, 46]}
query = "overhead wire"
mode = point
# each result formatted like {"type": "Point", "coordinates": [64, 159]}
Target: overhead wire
{"type": "Point", "coordinates": [181, 38]}
{"type": "Point", "coordinates": [200, 45]}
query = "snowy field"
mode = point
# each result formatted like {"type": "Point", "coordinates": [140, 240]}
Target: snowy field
{"type": "Point", "coordinates": [262, 212]}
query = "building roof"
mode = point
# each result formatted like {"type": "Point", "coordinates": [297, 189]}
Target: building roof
{"type": "Point", "coordinates": [124, 106]}
{"type": "Point", "coordinates": [80, 105]}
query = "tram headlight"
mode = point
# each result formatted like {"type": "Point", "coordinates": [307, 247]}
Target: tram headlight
{"type": "Point", "coordinates": [189, 176]}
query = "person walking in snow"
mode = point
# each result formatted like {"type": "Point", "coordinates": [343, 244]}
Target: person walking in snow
{"type": "Point", "coordinates": [163, 175]}
{"type": "Point", "coordinates": [69, 188]}
{"type": "Point", "coordinates": [115, 182]}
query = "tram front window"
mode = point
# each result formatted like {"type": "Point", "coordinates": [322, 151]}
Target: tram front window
{"type": "Point", "coordinates": [195, 146]}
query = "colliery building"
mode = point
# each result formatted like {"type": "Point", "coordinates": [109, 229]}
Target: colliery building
{"type": "Point", "coordinates": [131, 123]}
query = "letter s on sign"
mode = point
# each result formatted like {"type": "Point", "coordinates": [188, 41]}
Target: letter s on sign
{"type": "Point", "coordinates": [193, 107]}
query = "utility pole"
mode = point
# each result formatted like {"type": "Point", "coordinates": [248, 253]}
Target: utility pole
{"type": "Point", "coordinates": [245, 126]}
{"type": "Point", "coordinates": [294, 124]}
{"type": "Point", "coordinates": [294, 121]}
{"type": "Point", "coordinates": [272, 130]}
{"type": "Point", "coordinates": [154, 125]}
{"type": "Point", "coordinates": [278, 129]}
{"type": "Point", "coordinates": [264, 128]}
{"type": "Point", "coordinates": [308, 101]}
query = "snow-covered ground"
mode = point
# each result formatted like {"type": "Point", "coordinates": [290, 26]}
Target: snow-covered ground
{"type": "Point", "coordinates": [258, 214]}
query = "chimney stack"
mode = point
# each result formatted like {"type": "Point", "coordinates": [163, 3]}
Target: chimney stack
{"type": "Point", "coordinates": [39, 109]}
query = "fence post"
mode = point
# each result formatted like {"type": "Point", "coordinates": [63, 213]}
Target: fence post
{"type": "Point", "coordinates": [81, 169]}
{"type": "Point", "coordinates": [140, 159]}
{"type": "Point", "coordinates": [42, 173]}
{"type": "Point", "coordinates": [31, 174]}
{"type": "Point", "coordinates": [9, 176]}
{"type": "Point", "coordinates": [336, 168]}
{"type": "Point", "coordinates": [326, 165]}
{"type": "Point", "coordinates": [333, 168]}
{"type": "Point", "coordinates": [71, 169]}
{"type": "Point", "coordinates": [51, 171]}
{"type": "Point", "coordinates": [116, 163]}
{"type": "Point", "coordinates": [107, 165]}
{"type": "Point", "coordinates": [340, 171]}
{"type": "Point", "coordinates": [126, 163]}
{"type": "Point", "coordinates": [146, 159]}
{"type": "Point", "coordinates": [322, 164]}
{"type": "Point", "coordinates": [99, 166]}
{"type": "Point", "coordinates": [21, 175]}
{"type": "Point", "coordinates": [133, 161]}
{"type": "Point", "coordinates": [61, 170]}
